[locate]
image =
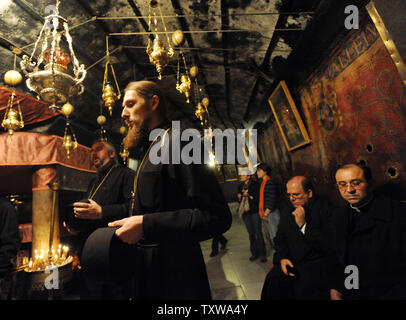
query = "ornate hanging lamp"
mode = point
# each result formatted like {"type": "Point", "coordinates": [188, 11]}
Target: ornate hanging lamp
{"type": "Point", "coordinates": [13, 119]}
{"type": "Point", "coordinates": [101, 120]}
{"type": "Point", "coordinates": [183, 83]}
{"type": "Point", "coordinates": [69, 138]}
{"type": "Point", "coordinates": [52, 82]}
{"type": "Point", "coordinates": [158, 55]}
{"type": "Point", "coordinates": [109, 96]}
{"type": "Point", "coordinates": [201, 111]}
{"type": "Point", "coordinates": [124, 152]}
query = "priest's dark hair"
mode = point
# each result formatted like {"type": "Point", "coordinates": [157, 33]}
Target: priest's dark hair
{"type": "Point", "coordinates": [147, 89]}
{"type": "Point", "coordinates": [362, 165]}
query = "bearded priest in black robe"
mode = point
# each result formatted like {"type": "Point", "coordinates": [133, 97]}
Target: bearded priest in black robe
{"type": "Point", "coordinates": [176, 205]}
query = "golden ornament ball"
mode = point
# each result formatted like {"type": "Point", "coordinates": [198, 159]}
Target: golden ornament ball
{"type": "Point", "coordinates": [154, 4]}
{"type": "Point", "coordinates": [67, 109]}
{"type": "Point", "coordinates": [194, 71]}
{"type": "Point", "coordinates": [123, 130]}
{"type": "Point", "coordinates": [13, 78]}
{"type": "Point", "coordinates": [177, 37]}
{"type": "Point", "coordinates": [101, 120]}
{"type": "Point", "coordinates": [205, 102]}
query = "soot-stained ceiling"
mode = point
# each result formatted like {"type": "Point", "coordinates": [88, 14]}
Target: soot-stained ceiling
{"type": "Point", "coordinates": [236, 44]}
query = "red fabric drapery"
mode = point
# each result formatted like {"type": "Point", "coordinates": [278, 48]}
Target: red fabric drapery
{"type": "Point", "coordinates": [24, 153]}
{"type": "Point", "coordinates": [33, 110]}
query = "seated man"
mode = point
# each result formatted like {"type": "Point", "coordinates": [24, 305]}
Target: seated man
{"type": "Point", "coordinates": [9, 245]}
{"type": "Point", "coordinates": [369, 240]}
{"type": "Point", "coordinates": [300, 256]}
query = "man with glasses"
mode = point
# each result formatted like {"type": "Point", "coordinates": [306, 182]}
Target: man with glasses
{"type": "Point", "coordinates": [301, 255]}
{"type": "Point", "coordinates": [369, 240]}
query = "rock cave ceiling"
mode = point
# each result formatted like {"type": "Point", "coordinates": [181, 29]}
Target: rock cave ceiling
{"type": "Point", "coordinates": [235, 64]}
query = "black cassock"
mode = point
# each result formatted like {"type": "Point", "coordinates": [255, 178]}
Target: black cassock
{"type": "Point", "coordinates": [182, 205]}
{"type": "Point", "coordinates": [9, 245]}
{"type": "Point", "coordinates": [374, 241]}
{"type": "Point", "coordinates": [9, 237]}
{"type": "Point", "coordinates": [113, 195]}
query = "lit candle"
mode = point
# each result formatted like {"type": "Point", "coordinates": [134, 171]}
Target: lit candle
{"type": "Point", "coordinates": [35, 262]}
{"type": "Point", "coordinates": [65, 252]}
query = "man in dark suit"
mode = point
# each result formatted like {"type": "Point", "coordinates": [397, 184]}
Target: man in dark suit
{"type": "Point", "coordinates": [369, 240]}
{"type": "Point", "coordinates": [176, 205]}
{"type": "Point", "coordinates": [301, 255]}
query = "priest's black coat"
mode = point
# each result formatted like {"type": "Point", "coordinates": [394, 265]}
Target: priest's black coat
{"type": "Point", "coordinates": [9, 237]}
{"type": "Point", "coordinates": [182, 205]}
{"type": "Point", "coordinates": [376, 244]}
{"type": "Point", "coordinates": [113, 195]}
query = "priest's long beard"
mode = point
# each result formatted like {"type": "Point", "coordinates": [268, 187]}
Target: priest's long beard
{"type": "Point", "coordinates": [135, 135]}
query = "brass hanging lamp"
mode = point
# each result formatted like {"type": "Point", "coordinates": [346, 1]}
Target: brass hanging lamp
{"type": "Point", "coordinates": [124, 152]}
{"type": "Point", "coordinates": [183, 82]}
{"type": "Point", "coordinates": [158, 55]}
{"type": "Point", "coordinates": [13, 119]}
{"type": "Point", "coordinates": [201, 111]}
{"type": "Point", "coordinates": [53, 83]}
{"type": "Point", "coordinates": [70, 142]}
{"type": "Point", "coordinates": [109, 96]}
{"type": "Point", "coordinates": [101, 120]}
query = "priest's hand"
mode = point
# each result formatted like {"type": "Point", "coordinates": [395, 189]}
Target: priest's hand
{"type": "Point", "coordinates": [91, 210]}
{"type": "Point", "coordinates": [284, 263]}
{"type": "Point", "coordinates": [300, 216]}
{"type": "Point", "coordinates": [130, 229]}
{"type": "Point", "coordinates": [335, 295]}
